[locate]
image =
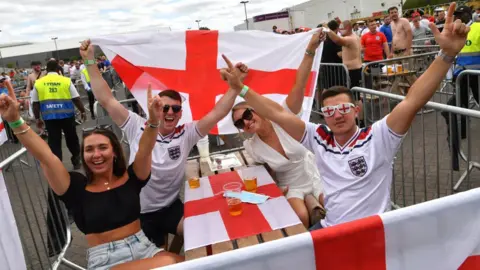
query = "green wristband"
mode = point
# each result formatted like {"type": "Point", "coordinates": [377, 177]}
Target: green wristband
{"type": "Point", "coordinates": [244, 91]}
{"type": "Point", "coordinates": [17, 123]}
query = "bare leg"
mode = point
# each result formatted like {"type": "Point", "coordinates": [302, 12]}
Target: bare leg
{"type": "Point", "coordinates": [161, 259]}
{"type": "Point", "coordinates": [180, 227]}
{"type": "Point", "coordinates": [300, 209]}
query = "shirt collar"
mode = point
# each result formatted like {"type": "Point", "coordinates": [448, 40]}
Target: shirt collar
{"type": "Point", "coordinates": [469, 23]}
{"type": "Point", "coordinates": [49, 73]}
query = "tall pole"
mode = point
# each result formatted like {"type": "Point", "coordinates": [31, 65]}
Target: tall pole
{"type": "Point", "coordinates": [198, 23]}
{"type": "Point", "coordinates": [56, 48]}
{"type": "Point", "coordinates": [245, 6]}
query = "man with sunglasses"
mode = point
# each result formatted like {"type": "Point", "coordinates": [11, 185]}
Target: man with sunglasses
{"type": "Point", "coordinates": [162, 210]}
{"type": "Point", "coordinates": [356, 164]}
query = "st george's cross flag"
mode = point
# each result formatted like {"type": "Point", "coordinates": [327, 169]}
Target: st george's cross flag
{"type": "Point", "coordinates": [189, 62]}
{"type": "Point", "coordinates": [441, 234]}
{"type": "Point", "coordinates": [3, 132]}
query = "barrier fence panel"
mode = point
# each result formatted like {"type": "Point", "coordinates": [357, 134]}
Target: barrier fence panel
{"type": "Point", "coordinates": [331, 74]}
{"type": "Point", "coordinates": [397, 75]}
{"type": "Point", "coordinates": [423, 168]}
{"type": "Point", "coordinates": [467, 93]}
{"type": "Point", "coordinates": [42, 222]}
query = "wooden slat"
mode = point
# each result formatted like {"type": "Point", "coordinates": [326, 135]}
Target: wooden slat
{"type": "Point", "coordinates": [273, 235]}
{"type": "Point", "coordinates": [195, 253]}
{"type": "Point", "coordinates": [247, 241]}
{"type": "Point", "coordinates": [297, 229]}
{"type": "Point", "coordinates": [222, 247]}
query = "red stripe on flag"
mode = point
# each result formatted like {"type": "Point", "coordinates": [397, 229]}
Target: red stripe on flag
{"type": "Point", "coordinates": [250, 222]}
{"type": "Point", "coordinates": [471, 263]}
{"type": "Point", "coordinates": [201, 78]}
{"type": "Point", "coordinates": [2, 126]}
{"type": "Point", "coordinates": [358, 244]}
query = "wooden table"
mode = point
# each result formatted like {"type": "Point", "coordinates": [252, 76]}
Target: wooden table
{"type": "Point", "coordinates": [200, 168]}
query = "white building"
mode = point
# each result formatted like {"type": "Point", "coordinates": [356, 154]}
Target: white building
{"type": "Point", "coordinates": [314, 12]}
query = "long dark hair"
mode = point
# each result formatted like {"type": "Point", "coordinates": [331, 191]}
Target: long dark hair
{"type": "Point", "coordinates": [119, 164]}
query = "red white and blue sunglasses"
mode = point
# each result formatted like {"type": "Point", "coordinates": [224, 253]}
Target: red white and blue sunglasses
{"type": "Point", "coordinates": [342, 108]}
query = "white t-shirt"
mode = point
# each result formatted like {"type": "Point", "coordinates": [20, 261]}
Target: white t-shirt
{"type": "Point", "coordinates": [298, 171]}
{"type": "Point", "coordinates": [169, 158]}
{"type": "Point", "coordinates": [356, 177]}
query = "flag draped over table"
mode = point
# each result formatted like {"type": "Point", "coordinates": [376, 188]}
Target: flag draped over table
{"type": "Point", "coordinates": [11, 252]}
{"type": "Point", "coordinates": [189, 62]}
{"type": "Point", "coordinates": [442, 234]}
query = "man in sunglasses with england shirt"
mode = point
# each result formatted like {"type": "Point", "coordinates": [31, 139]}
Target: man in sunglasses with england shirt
{"type": "Point", "coordinates": [162, 210]}
{"type": "Point", "coordinates": [356, 164]}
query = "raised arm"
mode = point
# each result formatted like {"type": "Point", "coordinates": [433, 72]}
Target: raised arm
{"type": "Point", "coordinates": [451, 41]}
{"type": "Point", "coordinates": [56, 174]}
{"type": "Point", "coordinates": [295, 97]}
{"type": "Point", "coordinates": [264, 106]}
{"type": "Point", "coordinates": [100, 88]}
{"type": "Point", "coordinates": [223, 106]}
{"type": "Point", "coordinates": [342, 41]}
{"type": "Point", "coordinates": [142, 165]}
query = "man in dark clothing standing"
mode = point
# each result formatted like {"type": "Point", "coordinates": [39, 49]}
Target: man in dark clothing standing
{"type": "Point", "coordinates": [331, 75]}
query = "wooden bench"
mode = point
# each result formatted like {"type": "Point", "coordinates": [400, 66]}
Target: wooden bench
{"type": "Point", "coordinates": [200, 168]}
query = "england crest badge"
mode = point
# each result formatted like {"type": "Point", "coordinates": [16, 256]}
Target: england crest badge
{"type": "Point", "coordinates": [358, 166]}
{"type": "Point", "coordinates": [174, 152]}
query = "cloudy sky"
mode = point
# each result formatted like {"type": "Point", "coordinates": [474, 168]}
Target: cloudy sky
{"type": "Point", "coordinates": [39, 20]}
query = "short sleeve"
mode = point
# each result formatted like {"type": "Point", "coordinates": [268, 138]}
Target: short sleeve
{"type": "Point", "coordinates": [388, 140]}
{"type": "Point", "coordinates": [73, 91]}
{"type": "Point", "coordinates": [75, 191]}
{"type": "Point", "coordinates": [132, 125]}
{"type": "Point", "coordinates": [192, 134]}
{"type": "Point", "coordinates": [132, 177]}
{"type": "Point", "coordinates": [383, 37]}
{"type": "Point", "coordinates": [34, 95]}
{"type": "Point", "coordinates": [309, 136]}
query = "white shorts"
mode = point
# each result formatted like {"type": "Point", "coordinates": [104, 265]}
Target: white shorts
{"type": "Point", "coordinates": [315, 189]}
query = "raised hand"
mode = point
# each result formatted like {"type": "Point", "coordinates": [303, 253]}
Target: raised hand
{"type": "Point", "coordinates": [454, 34]}
{"type": "Point", "coordinates": [9, 107]}
{"type": "Point", "coordinates": [87, 50]}
{"type": "Point", "coordinates": [316, 40]}
{"type": "Point", "coordinates": [154, 106]}
{"type": "Point", "coordinates": [232, 75]}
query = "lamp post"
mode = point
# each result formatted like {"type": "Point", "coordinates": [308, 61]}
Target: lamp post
{"type": "Point", "coordinates": [56, 48]}
{"type": "Point", "coordinates": [245, 6]}
{"type": "Point", "coordinates": [198, 23]}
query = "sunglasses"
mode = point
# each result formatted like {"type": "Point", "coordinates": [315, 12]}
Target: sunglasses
{"type": "Point", "coordinates": [88, 131]}
{"type": "Point", "coordinates": [175, 108]}
{"type": "Point", "coordinates": [343, 108]}
{"type": "Point", "coordinates": [247, 115]}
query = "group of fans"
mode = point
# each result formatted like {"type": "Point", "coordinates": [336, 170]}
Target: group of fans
{"type": "Point", "coordinates": [125, 207]}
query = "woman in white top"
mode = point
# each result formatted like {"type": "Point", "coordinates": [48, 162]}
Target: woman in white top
{"type": "Point", "coordinates": [293, 164]}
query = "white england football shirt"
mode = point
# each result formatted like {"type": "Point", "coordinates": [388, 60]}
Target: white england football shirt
{"type": "Point", "coordinates": [356, 177]}
{"type": "Point", "coordinates": [169, 157]}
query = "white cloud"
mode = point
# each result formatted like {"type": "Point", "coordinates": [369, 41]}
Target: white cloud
{"type": "Point", "coordinates": [39, 20]}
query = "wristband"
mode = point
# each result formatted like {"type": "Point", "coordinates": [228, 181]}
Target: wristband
{"type": "Point", "coordinates": [89, 62]}
{"type": "Point", "coordinates": [307, 52]}
{"type": "Point", "coordinates": [244, 91]}
{"type": "Point", "coordinates": [152, 125]}
{"type": "Point", "coordinates": [17, 123]}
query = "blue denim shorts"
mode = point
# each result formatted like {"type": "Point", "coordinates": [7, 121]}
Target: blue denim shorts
{"type": "Point", "coordinates": [134, 247]}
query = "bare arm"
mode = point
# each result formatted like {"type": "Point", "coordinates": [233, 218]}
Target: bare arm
{"type": "Point", "coordinates": [142, 165]}
{"type": "Point", "coordinates": [386, 49]}
{"type": "Point", "coordinates": [100, 88]}
{"type": "Point", "coordinates": [56, 174]}
{"type": "Point", "coordinates": [221, 109]}
{"type": "Point", "coordinates": [29, 85]}
{"type": "Point", "coordinates": [295, 97]}
{"type": "Point", "coordinates": [451, 41]}
{"type": "Point", "coordinates": [409, 34]}
{"type": "Point", "coordinates": [78, 103]}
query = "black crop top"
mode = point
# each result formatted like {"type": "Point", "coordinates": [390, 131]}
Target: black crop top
{"type": "Point", "coordinates": [97, 212]}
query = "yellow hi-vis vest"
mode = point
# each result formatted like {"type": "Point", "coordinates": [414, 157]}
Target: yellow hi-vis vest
{"type": "Point", "coordinates": [54, 97]}
{"type": "Point", "coordinates": [85, 73]}
{"type": "Point", "coordinates": [469, 56]}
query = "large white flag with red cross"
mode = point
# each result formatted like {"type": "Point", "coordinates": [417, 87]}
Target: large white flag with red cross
{"type": "Point", "coordinates": [189, 62]}
{"type": "Point", "coordinates": [442, 234]}
{"type": "Point", "coordinates": [3, 132]}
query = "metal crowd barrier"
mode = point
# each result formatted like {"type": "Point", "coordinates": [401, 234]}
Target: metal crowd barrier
{"type": "Point", "coordinates": [331, 74]}
{"type": "Point", "coordinates": [465, 85]}
{"type": "Point", "coordinates": [423, 168]}
{"type": "Point", "coordinates": [35, 210]}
